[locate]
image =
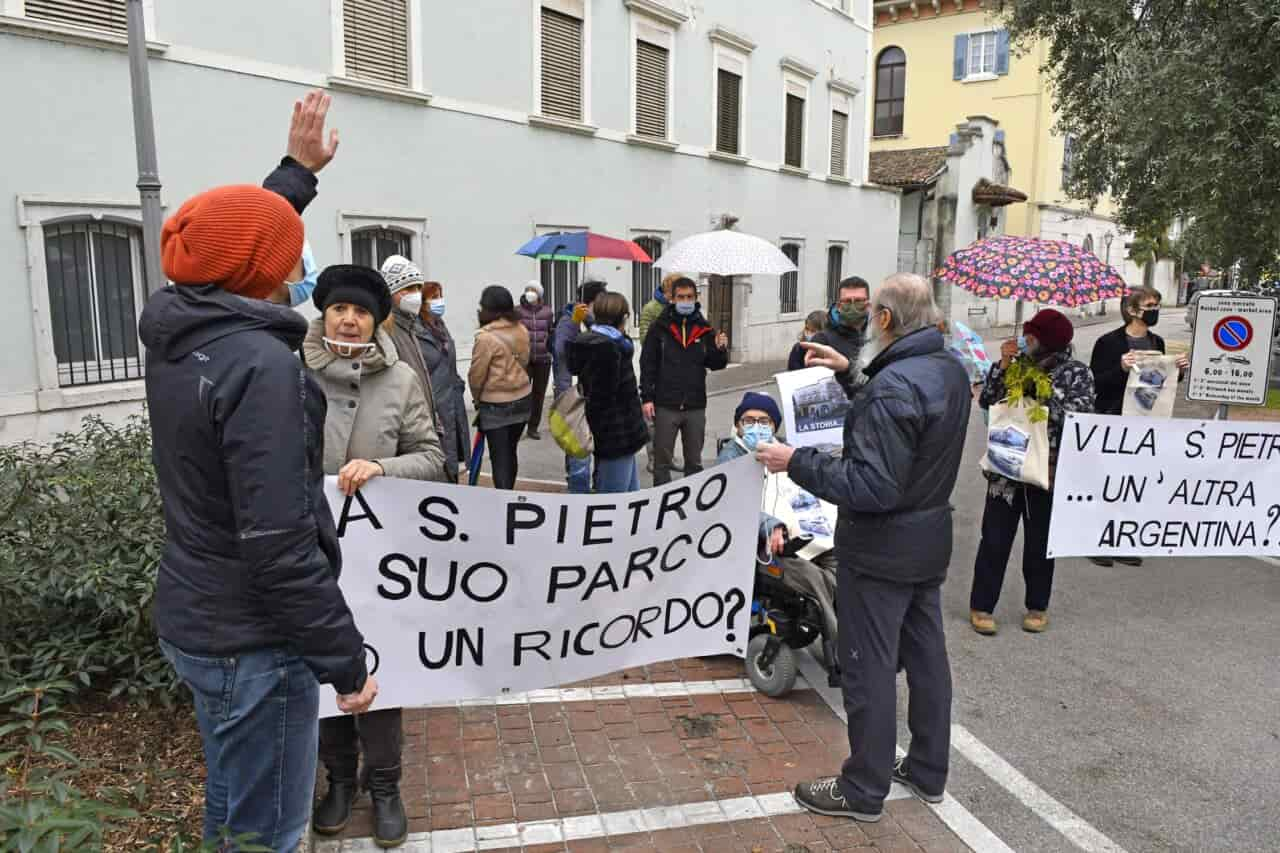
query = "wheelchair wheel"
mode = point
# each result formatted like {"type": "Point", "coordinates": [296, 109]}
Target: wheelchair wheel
{"type": "Point", "coordinates": [771, 665]}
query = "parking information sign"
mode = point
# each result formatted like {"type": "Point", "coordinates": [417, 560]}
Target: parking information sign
{"type": "Point", "coordinates": [1231, 351]}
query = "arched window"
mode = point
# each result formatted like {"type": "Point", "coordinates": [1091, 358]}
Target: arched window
{"type": "Point", "coordinates": [645, 277]}
{"type": "Point", "coordinates": [789, 286]}
{"type": "Point", "coordinates": [94, 271]}
{"type": "Point", "coordinates": [891, 91]}
{"type": "Point", "coordinates": [371, 246]}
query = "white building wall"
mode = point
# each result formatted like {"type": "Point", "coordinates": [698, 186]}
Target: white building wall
{"type": "Point", "coordinates": [467, 172]}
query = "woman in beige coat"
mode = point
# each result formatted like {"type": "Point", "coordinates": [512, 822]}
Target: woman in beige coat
{"type": "Point", "coordinates": [379, 423]}
{"type": "Point", "coordinates": [500, 384]}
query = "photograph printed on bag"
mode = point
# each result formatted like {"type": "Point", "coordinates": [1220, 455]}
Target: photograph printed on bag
{"type": "Point", "coordinates": [1007, 450]}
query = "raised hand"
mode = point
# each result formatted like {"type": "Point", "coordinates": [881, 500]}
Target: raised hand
{"type": "Point", "coordinates": [307, 142]}
{"type": "Point", "coordinates": [821, 355]}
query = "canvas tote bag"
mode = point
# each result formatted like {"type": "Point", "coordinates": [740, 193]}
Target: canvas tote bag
{"type": "Point", "coordinates": [1017, 447]}
{"type": "Point", "coordinates": [569, 427]}
{"type": "Point", "coordinates": [1152, 388]}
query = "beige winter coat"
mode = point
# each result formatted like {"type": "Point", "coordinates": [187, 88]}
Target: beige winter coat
{"type": "Point", "coordinates": [499, 363]}
{"type": "Point", "coordinates": [377, 410]}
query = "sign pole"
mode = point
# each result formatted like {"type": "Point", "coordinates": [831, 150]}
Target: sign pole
{"type": "Point", "coordinates": [144, 136]}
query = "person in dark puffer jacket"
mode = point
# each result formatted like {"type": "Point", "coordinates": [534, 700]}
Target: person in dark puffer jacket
{"type": "Point", "coordinates": [538, 318]}
{"type": "Point", "coordinates": [247, 604]}
{"type": "Point", "coordinates": [601, 358]}
{"type": "Point", "coordinates": [679, 350]}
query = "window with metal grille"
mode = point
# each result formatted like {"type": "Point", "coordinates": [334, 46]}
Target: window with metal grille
{"type": "Point", "coordinates": [559, 282]}
{"type": "Point", "coordinates": [891, 91]}
{"type": "Point", "coordinates": [835, 271]}
{"type": "Point", "coordinates": [94, 271]}
{"type": "Point", "coordinates": [561, 65]}
{"type": "Point", "coordinates": [96, 14]}
{"type": "Point", "coordinates": [375, 36]}
{"type": "Point", "coordinates": [645, 277]}
{"type": "Point", "coordinates": [728, 110]}
{"type": "Point", "coordinates": [839, 143]}
{"type": "Point", "coordinates": [794, 154]}
{"type": "Point", "coordinates": [789, 285]}
{"type": "Point", "coordinates": [652, 63]}
{"type": "Point", "coordinates": [371, 246]}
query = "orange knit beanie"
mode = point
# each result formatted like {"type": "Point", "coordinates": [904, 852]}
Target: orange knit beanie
{"type": "Point", "coordinates": [241, 237]}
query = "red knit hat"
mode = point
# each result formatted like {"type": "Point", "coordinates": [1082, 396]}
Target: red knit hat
{"type": "Point", "coordinates": [241, 237]}
{"type": "Point", "coordinates": [1051, 328]}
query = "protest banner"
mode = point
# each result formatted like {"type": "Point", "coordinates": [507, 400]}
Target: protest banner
{"type": "Point", "coordinates": [465, 593]}
{"type": "Point", "coordinates": [1170, 488]}
{"type": "Point", "coordinates": [813, 407]}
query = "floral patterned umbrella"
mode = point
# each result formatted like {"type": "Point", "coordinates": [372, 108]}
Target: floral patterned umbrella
{"type": "Point", "coordinates": [1050, 272]}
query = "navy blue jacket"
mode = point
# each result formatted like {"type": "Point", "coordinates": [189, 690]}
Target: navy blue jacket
{"type": "Point", "coordinates": [251, 556]}
{"type": "Point", "coordinates": [608, 380]}
{"type": "Point", "coordinates": [675, 358]}
{"type": "Point", "coordinates": [903, 439]}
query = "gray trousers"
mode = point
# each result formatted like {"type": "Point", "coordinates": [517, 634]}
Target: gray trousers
{"type": "Point", "coordinates": [880, 623]}
{"type": "Point", "coordinates": [692, 426]}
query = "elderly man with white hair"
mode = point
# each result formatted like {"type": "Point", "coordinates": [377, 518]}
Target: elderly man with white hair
{"type": "Point", "coordinates": [903, 439]}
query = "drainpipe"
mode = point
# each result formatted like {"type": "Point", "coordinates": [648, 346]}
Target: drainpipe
{"type": "Point", "coordinates": [144, 137]}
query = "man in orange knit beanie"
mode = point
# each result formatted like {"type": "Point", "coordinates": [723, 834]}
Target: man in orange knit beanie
{"type": "Point", "coordinates": [247, 604]}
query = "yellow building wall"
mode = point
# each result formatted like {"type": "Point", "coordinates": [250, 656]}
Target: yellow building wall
{"type": "Point", "coordinates": [935, 103]}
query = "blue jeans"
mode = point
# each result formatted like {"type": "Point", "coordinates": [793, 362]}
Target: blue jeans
{"type": "Point", "coordinates": [258, 721]}
{"type": "Point", "coordinates": [617, 475]}
{"type": "Point", "coordinates": [577, 473]}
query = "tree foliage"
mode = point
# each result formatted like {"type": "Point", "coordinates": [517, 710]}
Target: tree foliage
{"type": "Point", "coordinates": [1174, 107]}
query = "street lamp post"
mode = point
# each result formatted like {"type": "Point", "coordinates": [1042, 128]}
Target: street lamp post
{"type": "Point", "coordinates": [144, 137]}
{"type": "Point", "coordinates": [1106, 241]}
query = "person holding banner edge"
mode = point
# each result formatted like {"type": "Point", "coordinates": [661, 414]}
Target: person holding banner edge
{"type": "Point", "coordinates": [379, 423]}
{"type": "Point", "coordinates": [1115, 353]}
{"type": "Point", "coordinates": [903, 443]}
{"type": "Point", "coordinates": [1048, 347]}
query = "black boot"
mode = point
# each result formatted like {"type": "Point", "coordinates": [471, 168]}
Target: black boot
{"type": "Point", "coordinates": [332, 813]}
{"type": "Point", "coordinates": [390, 826]}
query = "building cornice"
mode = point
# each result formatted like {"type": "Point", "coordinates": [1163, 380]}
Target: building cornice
{"type": "Point", "coordinates": [839, 84]}
{"type": "Point", "coordinates": [729, 38]}
{"type": "Point", "coordinates": [654, 9]}
{"type": "Point", "coordinates": [796, 66]}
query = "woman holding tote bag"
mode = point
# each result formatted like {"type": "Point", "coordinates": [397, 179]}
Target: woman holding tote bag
{"type": "Point", "coordinates": [1015, 459]}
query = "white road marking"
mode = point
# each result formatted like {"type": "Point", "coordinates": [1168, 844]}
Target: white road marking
{"type": "Point", "coordinates": [958, 819]}
{"type": "Point", "coordinates": [588, 826]}
{"type": "Point", "coordinates": [1075, 828]}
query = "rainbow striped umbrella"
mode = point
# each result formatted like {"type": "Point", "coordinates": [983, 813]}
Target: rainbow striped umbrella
{"type": "Point", "coordinates": [582, 246]}
{"type": "Point", "coordinates": [1050, 272]}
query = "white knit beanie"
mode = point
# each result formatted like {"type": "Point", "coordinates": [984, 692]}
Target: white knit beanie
{"type": "Point", "coordinates": [531, 284]}
{"type": "Point", "coordinates": [400, 272]}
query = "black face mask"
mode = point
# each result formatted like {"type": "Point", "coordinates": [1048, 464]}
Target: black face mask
{"type": "Point", "coordinates": [1151, 316]}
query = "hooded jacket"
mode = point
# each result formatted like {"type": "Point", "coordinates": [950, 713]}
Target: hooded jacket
{"type": "Point", "coordinates": [251, 556]}
{"type": "Point", "coordinates": [674, 361]}
{"type": "Point", "coordinates": [564, 333]}
{"type": "Point", "coordinates": [376, 410]}
{"type": "Point", "coordinates": [903, 439]}
{"type": "Point", "coordinates": [608, 380]}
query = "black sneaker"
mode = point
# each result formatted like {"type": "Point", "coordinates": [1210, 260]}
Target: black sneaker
{"type": "Point", "coordinates": [824, 797]}
{"type": "Point", "coordinates": [902, 775]}
{"type": "Point", "coordinates": [1129, 561]}
{"type": "Point", "coordinates": [1105, 562]}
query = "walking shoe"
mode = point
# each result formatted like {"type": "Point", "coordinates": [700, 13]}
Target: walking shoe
{"type": "Point", "coordinates": [824, 797]}
{"type": "Point", "coordinates": [1035, 621]}
{"type": "Point", "coordinates": [390, 825]}
{"type": "Point", "coordinates": [902, 775]}
{"type": "Point", "coordinates": [983, 623]}
{"type": "Point", "coordinates": [1129, 561]}
{"type": "Point", "coordinates": [1105, 562]}
{"type": "Point", "coordinates": [333, 812]}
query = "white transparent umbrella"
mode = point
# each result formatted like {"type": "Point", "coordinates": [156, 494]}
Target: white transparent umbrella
{"type": "Point", "coordinates": [725, 252]}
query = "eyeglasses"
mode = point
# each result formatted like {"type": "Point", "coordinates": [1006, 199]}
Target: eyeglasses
{"type": "Point", "coordinates": [859, 303]}
{"type": "Point", "coordinates": [764, 422]}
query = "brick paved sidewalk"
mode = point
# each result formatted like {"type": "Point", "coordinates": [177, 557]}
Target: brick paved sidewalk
{"type": "Point", "coordinates": [673, 757]}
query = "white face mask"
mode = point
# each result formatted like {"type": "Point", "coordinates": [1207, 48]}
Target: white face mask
{"type": "Point", "coordinates": [411, 303]}
{"type": "Point", "coordinates": [532, 297]}
{"type": "Point", "coordinates": [347, 349]}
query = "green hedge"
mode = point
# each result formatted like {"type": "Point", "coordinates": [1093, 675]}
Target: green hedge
{"type": "Point", "coordinates": [81, 533]}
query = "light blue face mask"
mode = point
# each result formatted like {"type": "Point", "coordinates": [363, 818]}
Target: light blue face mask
{"type": "Point", "coordinates": [754, 435]}
{"type": "Point", "coordinates": [684, 309]}
{"type": "Point", "coordinates": [1022, 343]}
{"type": "Point", "coordinates": [436, 306]}
{"type": "Point", "coordinates": [300, 291]}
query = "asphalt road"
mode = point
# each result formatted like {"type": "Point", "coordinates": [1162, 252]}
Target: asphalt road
{"type": "Point", "coordinates": [1151, 707]}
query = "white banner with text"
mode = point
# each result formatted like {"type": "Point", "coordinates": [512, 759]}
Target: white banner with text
{"type": "Point", "coordinates": [1172, 488]}
{"type": "Point", "coordinates": [465, 593]}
